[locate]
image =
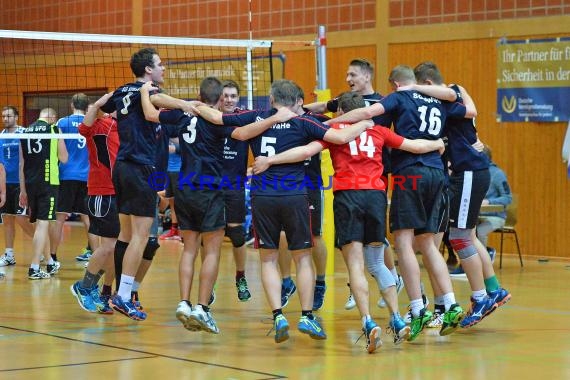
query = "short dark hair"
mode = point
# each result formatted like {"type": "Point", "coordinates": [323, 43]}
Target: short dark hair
{"type": "Point", "coordinates": [141, 59]}
{"type": "Point", "coordinates": [286, 92]}
{"type": "Point", "coordinates": [210, 90]}
{"type": "Point", "coordinates": [14, 109]}
{"type": "Point", "coordinates": [80, 101]}
{"type": "Point", "coordinates": [350, 100]}
{"type": "Point", "coordinates": [230, 84]}
{"type": "Point", "coordinates": [364, 64]}
{"type": "Point", "coordinates": [428, 71]}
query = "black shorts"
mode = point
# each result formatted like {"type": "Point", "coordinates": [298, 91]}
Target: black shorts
{"type": "Point", "coordinates": [467, 191]}
{"type": "Point", "coordinates": [135, 195]}
{"type": "Point", "coordinates": [172, 184]}
{"type": "Point", "coordinates": [199, 210]}
{"type": "Point", "coordinates": [316, 206]}
{"type": "Point", "coordinates": [444, 212]}
{"type": "Point", "coordinates": [359, 215]}
{"type": "Point", "coordinates": [72, 197]}
{"type": "Point", "coordinates": [12, 205]}
{"type": "Point", "coordinates": [42, 201]}
{"type": "Point", "coordinates": [417, 203]}
{"type": "Point", "coordinates": [291, 214]}
{"type": "Point", "coordinates": [235, 206]}
{"type": "Point", "coordinates": [103, 216]}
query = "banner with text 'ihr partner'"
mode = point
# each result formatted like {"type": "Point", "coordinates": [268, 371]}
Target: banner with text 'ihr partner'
{"type": "Point", "coordinates": [533, 80]}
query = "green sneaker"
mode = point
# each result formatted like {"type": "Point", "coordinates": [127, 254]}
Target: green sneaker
{"type": "Point", "coordinates": [418, 323]}
{"type": "Point", "coordinates": [451, 319]}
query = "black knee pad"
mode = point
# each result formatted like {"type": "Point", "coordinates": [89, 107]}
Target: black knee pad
{"type": "Point", "coordinates": [150, 249]}
{"type": "Point", "coordinates": [236, 235]}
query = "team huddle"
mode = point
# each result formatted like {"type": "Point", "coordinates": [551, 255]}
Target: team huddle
{"type": "Point", "coordinates": [130, 142]}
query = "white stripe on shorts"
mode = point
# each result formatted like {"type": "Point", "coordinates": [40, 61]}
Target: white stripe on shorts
{"type": "Point", "coordinates": [465, 199]}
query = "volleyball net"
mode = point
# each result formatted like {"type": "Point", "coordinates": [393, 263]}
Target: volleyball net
{"type": "Point", "coordinates": [42, 69]}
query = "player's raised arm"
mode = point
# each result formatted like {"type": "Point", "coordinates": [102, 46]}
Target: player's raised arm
{"type": "Point", "coordinates": [348, 133]}
{"type": "Point", "coordinates": [249, 131]}
{"type": "Point", "coordinates": [297, 154]}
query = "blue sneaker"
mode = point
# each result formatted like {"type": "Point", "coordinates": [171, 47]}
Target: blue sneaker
{"type": "Point", "coordinates": [106, 308]}
{"type": "Point", "coordinates": [399, 329]}
{"type": "Point", "coordinates": [281, 327]}
{"type": "Point", "coordinates": [83, 297]}
{"type": "Point", "coordinates": [500, 296]}
{"type": "Point", "coordinates": [458, 272]}
{"type": "Point", "coordinates": [479, 310]}
{"type": "Point", "coordinates": [372, 332]}
{"type": "Point", "coordinates": [286, 293]}
{"type": "Point", "coordinates": [312, 327]}
{"type": "Point", "coordinates": [97, 301]}
{"type": "Point", "coordinates": [85, 255]}
{"type": "Point", "coordinates": [492, 253]}
{"type": "Point", "coordinates": [319, 297]}
{"type": "Point", "coordinates": [126, 308]}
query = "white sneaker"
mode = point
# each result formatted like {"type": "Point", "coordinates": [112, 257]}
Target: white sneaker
{"type": "Point", "coordinates": [436, 321]}
{"type": "Point", "coordinates": [6, 260]}
{"type": "Point", "coordinates": [350, 302]}
{"type": "Point", "coordinates": [183, 312]}
{"type": "Point", "coordinates": [205, 319]}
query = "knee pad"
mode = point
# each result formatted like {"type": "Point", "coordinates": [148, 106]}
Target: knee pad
{"type": "Point", "coordinates": [150, 249]}
{"type": "Point", "coordinates": [461, 243]}
{"type": "Point", "coordinates": [236, 235]}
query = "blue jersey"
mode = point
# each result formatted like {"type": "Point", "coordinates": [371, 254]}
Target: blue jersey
{"type": "Point", "coordinates": [201, 150]}
{"type": "Point", "coordinates": [77, 166]}
{"type": "Point", "coordinates": [11, 156]}
{"type": "Point", "coordinates": [138, 137]}
{"type": "Point", "coordinates": [461, 135]}
{"type": "Point", "coordinates": [286, 179]}
{"type": "Point", "coordinates": [174, 162]}
{"type": "Point", "coordinates": [418, 116]}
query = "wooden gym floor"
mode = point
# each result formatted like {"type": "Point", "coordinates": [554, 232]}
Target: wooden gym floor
{"type": "Point", "coordinates": [44, 333]}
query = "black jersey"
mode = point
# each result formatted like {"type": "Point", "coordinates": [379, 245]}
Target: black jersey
{"type": "Point", "coordinates": [138, 137]}
{"type": "Point", "coordinates": [235, 157]}
{"type": "Point", "coordinates": [40, 155]}
{"type": "Point", "coordinates": [461, 135]}
{"type": "Point", "coordinates": [286, 179]}
{"type": "Point", "coordinates": [418, 116]}
{"type": "Point", "coordinates": [201, 149]}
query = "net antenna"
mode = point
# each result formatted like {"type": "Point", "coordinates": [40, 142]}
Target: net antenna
{"type": "Point", "coordinates": [44, 69]}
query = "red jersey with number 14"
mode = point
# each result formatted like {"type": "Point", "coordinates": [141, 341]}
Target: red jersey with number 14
{"type": "Point", "coordinates": [102, 146]}
{"type": "Point", "coordinates": [358, 164]}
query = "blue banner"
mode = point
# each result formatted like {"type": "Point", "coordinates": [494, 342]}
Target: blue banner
{"type": "Point", "coordinates": [533, 80]}
{"type": "Point", "coordinates": [546, 104]}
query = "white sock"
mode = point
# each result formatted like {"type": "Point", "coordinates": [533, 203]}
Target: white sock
{"type": "Point", "coordinates": [416, 306]}
{"type": "Point", "coordinates": [35, 267]}
{"type": "Point", "coordinates": [136, 286]}
{"type": "Point", "coordinates": [9, 252]}
{"type": "Point", "coordinates": [125, 287]}
{"type": "Point", "coordinates": [448, 300]}
{"type": "Point", "coordinates": [479, 295]}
